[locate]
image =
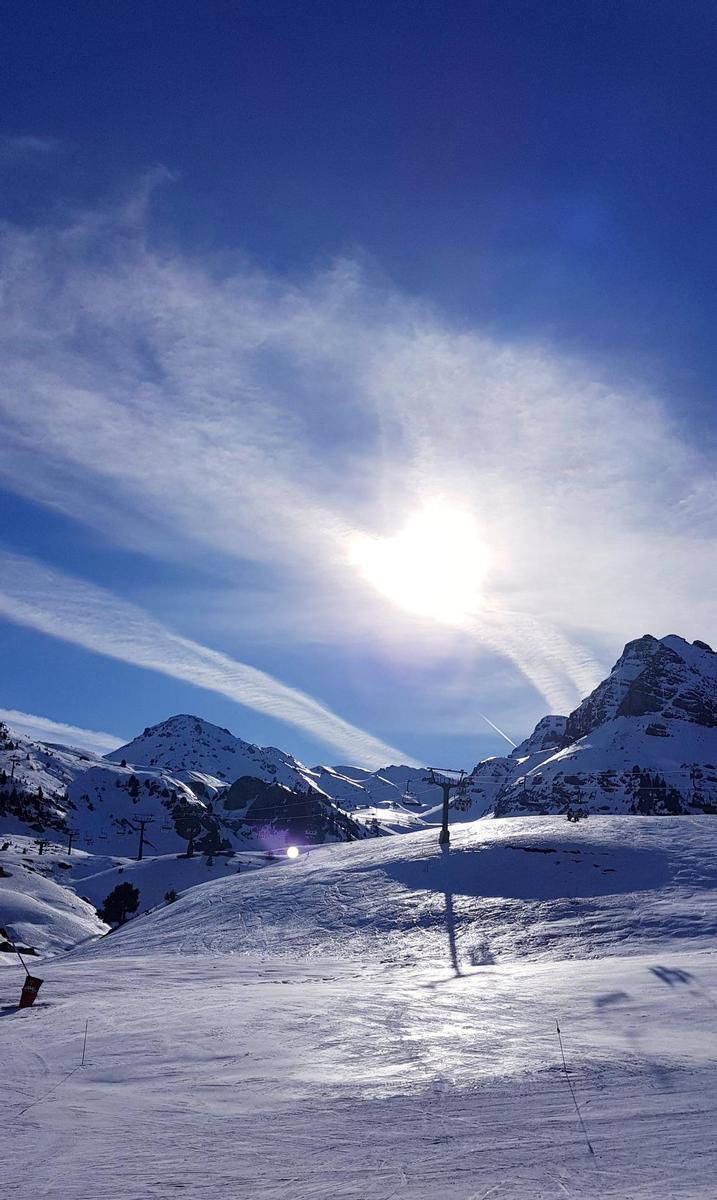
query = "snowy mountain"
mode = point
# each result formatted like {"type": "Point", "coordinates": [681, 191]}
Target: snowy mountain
{"type": "Point", "coordinates": [192, 748]}
{"type": "Point", "coordinates": [337, 802]}
{"type": "Point", "coordinates": [644, 741]}
{"type": "Point", "coordinates": [411, 993]}
{"type": "Point", "coordinates": [179, 777]}
{"type": "Point", "coordinates": [52, 789]}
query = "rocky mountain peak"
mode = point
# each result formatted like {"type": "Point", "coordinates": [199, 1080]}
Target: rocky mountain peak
{"type": "Point", "coordinates": [668, 677]}
{"type": "Point", "coordinates": [549, 734]}
{"type": "Point", "coordinates": [644, 741]}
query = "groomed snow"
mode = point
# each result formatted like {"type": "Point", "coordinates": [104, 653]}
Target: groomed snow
{"type": "Point", "coordinates": [535, 887]}
{"type": "Point", "coordinates": [48, 900]}
{"type": "Point", "coordinates": [374, 1022]}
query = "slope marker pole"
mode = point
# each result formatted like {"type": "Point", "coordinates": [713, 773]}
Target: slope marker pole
{"type": "Point", "coordinates": [4, 933]}
{"type": "Point", "coordinates": [572, 1091]}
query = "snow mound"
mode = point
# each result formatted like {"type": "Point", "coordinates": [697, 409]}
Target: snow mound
{"type": "Point", "coordinates": [507, 890]}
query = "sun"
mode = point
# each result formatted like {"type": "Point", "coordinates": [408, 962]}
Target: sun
{"type": "Point", "coordinates": [434, 567]}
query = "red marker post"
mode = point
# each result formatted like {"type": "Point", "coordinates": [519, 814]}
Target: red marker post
{"type": "Point", "coordinates": [32, 984]}
{"type": "Point", "coordinates": [30, 988]}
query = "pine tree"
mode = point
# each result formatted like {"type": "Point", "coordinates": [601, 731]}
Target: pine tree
{"type": "Point", "coordinates": [117, 906]}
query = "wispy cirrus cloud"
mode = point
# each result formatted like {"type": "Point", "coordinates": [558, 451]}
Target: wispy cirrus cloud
{"type": "Point", "coordinates": [44, 729]}
{"type": "Point", "coordinates": [63, 607]}
{"type": "Point", "coordinates": [175, 403]}
{"type": "Point", "coordinates": [16, 147]}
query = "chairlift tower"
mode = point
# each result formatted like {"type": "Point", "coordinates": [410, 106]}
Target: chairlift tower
{"type": "Point", "coordinates": [188, 814]}
{"type": "Point", "coordinates": [141, 822]}
{"type": "Point", "coordinates": [447, 782]}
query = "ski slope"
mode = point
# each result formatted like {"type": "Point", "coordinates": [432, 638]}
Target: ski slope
{"type": "Point", "coordinates": [378, 1021]}
{"type": "Point", "coordinates": [48, 900]}
{"type": "Point", "coordinates": [39, 906]}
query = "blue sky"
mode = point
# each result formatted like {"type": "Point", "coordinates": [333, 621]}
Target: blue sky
{"type": "Point", "coordinates": [359, 362]}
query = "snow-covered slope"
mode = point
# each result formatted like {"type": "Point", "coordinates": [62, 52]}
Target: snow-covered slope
{"type": "Point", "coordinates": [37, 907]}
{"type": "Point", "coordinates": [379, 1020]}
{"type": "Point", "coordinates": [531, 887]}
{"type": "Point", "coordinates": [48, 787]}
{"type": "Point", "coordinates": [645, 741]}
{"type": "Point", "coordinates": [191, 748]}
{"type": "Point", "coordinates": [391, 787]}
{"type": "Point", "coordinates": [48, 900]}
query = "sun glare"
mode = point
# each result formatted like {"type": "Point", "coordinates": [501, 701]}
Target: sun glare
{"type": "Point", "coordinates": [434, 567]}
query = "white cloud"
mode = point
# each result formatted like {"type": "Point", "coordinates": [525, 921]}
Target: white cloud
{"type": "Point", "coordinates": [44, 729]}
{"type": "Point", "coordinates": [67, 608]}
{"type": "Point", "coordinates": [194, 409]}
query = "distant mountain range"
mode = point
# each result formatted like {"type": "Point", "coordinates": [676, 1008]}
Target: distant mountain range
{"type": "Point", "coordinates": [645, 741]}
{"type": "Point", "coordinates": [186, 777]}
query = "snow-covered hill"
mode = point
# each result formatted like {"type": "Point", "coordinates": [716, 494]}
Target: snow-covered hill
{"type": "Point", "coordinates": [645, 741]}
{"type": "Point", "coordinates": [39, 906]}
{"type": "Point", "coordinates": [520, 888]}
{"type": "Point", "coordinates": [51, 788]}
{"type": "Point", "coordinates": [48, 899]}
{"type": "Point", "coordinates": [192, 748]}
{"type": "Point", "coordinates": [379, 1020]}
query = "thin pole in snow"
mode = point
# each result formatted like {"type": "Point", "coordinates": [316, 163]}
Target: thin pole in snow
{"type": "Point", "coordinates": [572, 1091]}
{"type": "Point", "coordinates": [4, 933]}
{"type": "Point", "coordinates": [84, 1044]}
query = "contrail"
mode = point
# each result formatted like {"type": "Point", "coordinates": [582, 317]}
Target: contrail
{"type": "Point", "coordinates": [562, 672]}
{"type": "Point", "coordinates": [500, 731]}
{"type": "Point", "coordinates": [75, 611]}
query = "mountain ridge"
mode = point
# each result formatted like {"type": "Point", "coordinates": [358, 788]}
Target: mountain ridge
{"type": "Point", "coordinates": [644, 741]}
